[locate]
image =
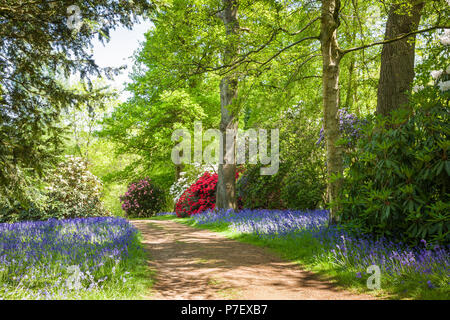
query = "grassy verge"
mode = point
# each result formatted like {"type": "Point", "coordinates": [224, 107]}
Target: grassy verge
{"type": "Point", "coordinates": [311, 255]}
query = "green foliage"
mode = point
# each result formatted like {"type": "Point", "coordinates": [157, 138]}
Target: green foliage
{"type": "Point", "coordinates": [300, 181]}
{"type": "Point", "coordinates": [143, 129]}
{"type": "Point", "coordinates": [397, 180]}
{"type": "Point", "coordinates": [259, 191]}
{"type": "Point", "coordinates": [16, 212]}
{"type": "Point", "coordinates": [290, 188]}
{"type": "Point", "coordinates": [111, 196]}
{"type": "Point", "coordinates": [104, 162]}
{"type": "Point", "coordinates": [303, 189]}
{"type": "Point", "coordinates": [71, 191]}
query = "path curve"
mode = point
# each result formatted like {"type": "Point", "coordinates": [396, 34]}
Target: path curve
{"type": "Point", "coordinates": [199, 264]}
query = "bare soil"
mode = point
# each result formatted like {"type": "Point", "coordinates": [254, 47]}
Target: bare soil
{"type": "Point", "coordinates": [200, 264]}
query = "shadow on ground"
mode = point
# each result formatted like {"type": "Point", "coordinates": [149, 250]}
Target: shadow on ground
{"type": "Point", "coordinates": [200, 264]}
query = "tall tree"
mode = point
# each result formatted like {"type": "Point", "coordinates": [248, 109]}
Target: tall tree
{"type": "Point", "coordinates": [397, 58]}
{"type": "Point", "coordinates": [331, 56]}
{"type": "Point", "coordinates": [226, 183]}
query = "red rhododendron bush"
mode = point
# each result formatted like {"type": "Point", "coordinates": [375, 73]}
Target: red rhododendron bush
{"type": "Point", "coordinates": [199, 197]}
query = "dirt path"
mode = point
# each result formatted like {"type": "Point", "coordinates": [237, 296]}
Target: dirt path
{"type": "Point", "coordinates": [200, 264]}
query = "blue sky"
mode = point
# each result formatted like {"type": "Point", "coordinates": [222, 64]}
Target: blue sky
{"type": "Point", "coordinates": [119, 50]}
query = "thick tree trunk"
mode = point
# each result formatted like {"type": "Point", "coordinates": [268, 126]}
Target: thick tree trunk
{"type": "Point", "coordinates": [226, 184]}
{"type": "Point", "coordinates": [330, 81]}
{"type": "Point", "coordinates": [397, 59]}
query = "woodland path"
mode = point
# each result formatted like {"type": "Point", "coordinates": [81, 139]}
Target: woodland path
{"type": "Point", "coordinates": [199, 264]}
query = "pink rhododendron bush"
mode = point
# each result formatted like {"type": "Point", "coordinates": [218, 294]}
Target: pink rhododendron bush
{"type": "Point", "coordinates": [143, 199]}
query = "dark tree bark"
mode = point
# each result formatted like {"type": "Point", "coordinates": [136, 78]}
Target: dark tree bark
{"type": "Point", "coordinates": [226, 184]}
{"type": "Point", "coordinates": [397, 58]}
{"type": "Point", "coordinates": [178, 170]}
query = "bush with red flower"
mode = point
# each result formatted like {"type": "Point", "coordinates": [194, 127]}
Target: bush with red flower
{"type": "Point", "coordinates": [200, 196]}
{"type": "Point", "coordinates": [143, 199]}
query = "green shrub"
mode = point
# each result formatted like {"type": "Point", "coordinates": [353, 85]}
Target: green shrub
{"type": "Point", "coordinates": [396, 183]}
{"type": "Point", "coordinates": [302, 190]}
{"type": "Point", "coordinates": [68, 191]}
{"type": "Point", "coordinates": [259, 191]}
{"type": "Point", "coordinates": [111, 195]}
{"type": "Point", "coordinates": [17, 212]}
{"type": "Point", "coordinates": [300, 182]}
{"type": "Point", "coordinates": [291, 188]}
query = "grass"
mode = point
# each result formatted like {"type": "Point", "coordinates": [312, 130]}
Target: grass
{"type": "Point", "coordinates": [308, 252]}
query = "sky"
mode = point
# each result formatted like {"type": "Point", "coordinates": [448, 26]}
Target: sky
{"type": "Point", "coordinates": [119, 51]}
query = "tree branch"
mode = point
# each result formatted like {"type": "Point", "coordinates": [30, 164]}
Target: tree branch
{"type": "Point", "coordinates": [302, 29]}
{"type": "Point", "coordinates": [400, 37]}
{"type": "Point", "coordinates": [287, 47]}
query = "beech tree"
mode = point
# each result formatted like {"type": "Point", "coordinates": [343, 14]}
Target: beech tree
{"type": "Point", "coordinates": [226, 183]}
{"type": "Point", "coordinates": [331, 56]}
{"type": "Point", "coordinates": [199, 42]}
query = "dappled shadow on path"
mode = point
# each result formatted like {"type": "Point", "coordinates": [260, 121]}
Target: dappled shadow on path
{"type": "Point", "coordinates": [200, 264]}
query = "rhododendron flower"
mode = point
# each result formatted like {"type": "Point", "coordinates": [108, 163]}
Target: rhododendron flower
{"type": "Point", "coordinates": [445, 38]}
{"type": "Point", "coordinates": [435, 74]}
{"type": "Point", "coordinates": [199, 197]}
{"type": "Point", "coordinates": [444, 85]}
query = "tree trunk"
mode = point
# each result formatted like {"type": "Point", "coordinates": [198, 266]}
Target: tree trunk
{"type": "Point", "coordinates": [226, 184]}
{"type": "Point", "coordinates": [349, 99]}
{"type": "Point", "coordinates": [178, 170]}
{"type": "Point", "coordinates": [352, 74]}
{"type": "Point", "coordinates": [355, 97]}
{"type": "Point", "coordinates": [397, 59]}
{"type": "Point", "coordinates": [330, 82]}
